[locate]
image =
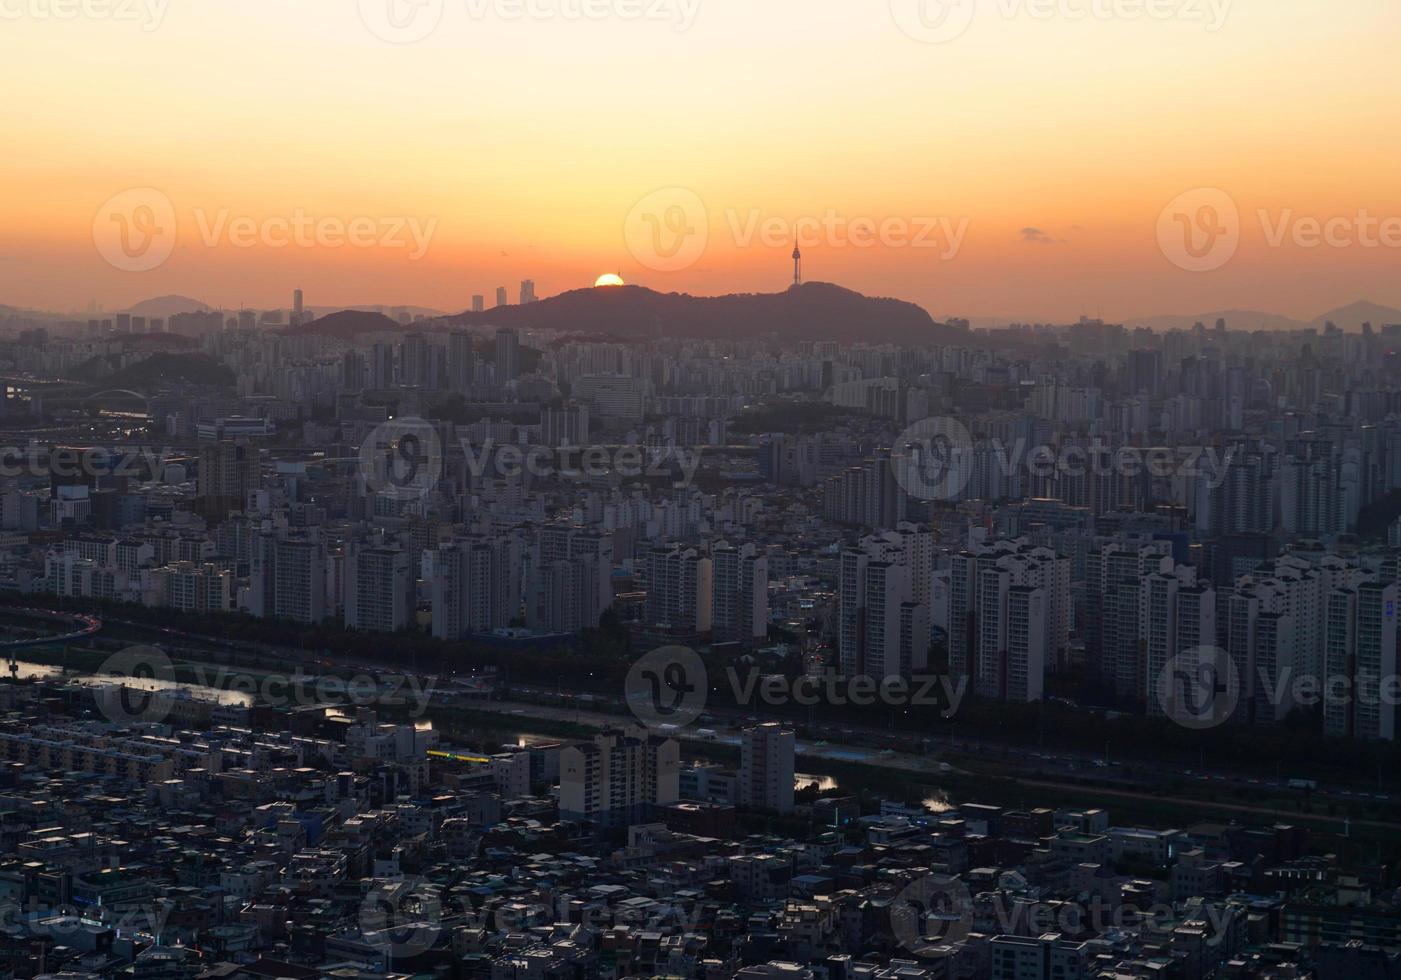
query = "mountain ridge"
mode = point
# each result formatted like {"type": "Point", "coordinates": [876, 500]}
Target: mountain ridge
{"type": "Point", "coordinates": [813, 311]}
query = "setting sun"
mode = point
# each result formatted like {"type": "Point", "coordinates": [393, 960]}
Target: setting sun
{"type": "Point", "coordinates": [610, 279]}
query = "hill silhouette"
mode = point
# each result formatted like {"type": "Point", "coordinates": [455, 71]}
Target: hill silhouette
{"type": "Point", "coordinates": [815, 311]}
{"type": "Point", "coordinates": [1349, 318]}
{"type": "Point", "coordinates": [1352, 316]}
{"type": "Point", "coordinates": [347, 325]}
{"type": "Point", "coordinates": [156, 370]}
{"type": "Point", "coordinates": [167, 306]}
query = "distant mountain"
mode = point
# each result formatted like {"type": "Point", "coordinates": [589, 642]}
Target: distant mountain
{"type": "Point", "coordinates": [167, 306]}
{"type": "Point", "coordinates": [1243, 320]}
{"type": "Point", "coordinates": [21, 314]}
{"type": "Point", "coordinates": [1351, 317]}
{"type": "Point", "coordinates": [347, 325]}
{"type": "Point", "coordinates": [375, 308]}
{"type": "Point", "coordinates": [815, 311]}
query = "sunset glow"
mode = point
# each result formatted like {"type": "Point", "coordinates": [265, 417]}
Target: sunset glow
{"type": "Point", "coordinates": [777, 116]}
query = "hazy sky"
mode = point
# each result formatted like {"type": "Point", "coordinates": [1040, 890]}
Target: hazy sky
{"type": "Point", "coordinates": [1014, 161]}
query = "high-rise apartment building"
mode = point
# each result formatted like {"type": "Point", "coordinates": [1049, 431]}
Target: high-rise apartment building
{"type": "Point", "coordinates": [741, 595]}
{"type": "Point", "coordinates": [766, 765]}
{"type": "Point", "coordinates": [1361, 661]}
{"type": "Point", "coordinates": [680, 588]}
{"type": "Point", "coordinates": [564, 425]}
{"type": "Point", "coordinates": [462, 364]}
{"type": "Point", "coordinates": [618, 779]}
{"type": "Point", "coordinates": [227, 472]}
{"type": "Point", "coordinates": [882, 627]}
{"type": "Point", "coordinates": [572, 578]}
{"type": "Point", "coordinates": [476, 586]}
{"type": "Point", "coordinates": [1003, 665]}
{"type": "Point", "coordinates": [380, 585]}
{"type": "Point", "coordinates": [287, 578]}
{"type": "Point", "coordinates": [508, 356]}
{"type": "Point", "coordinates": [382, 375]}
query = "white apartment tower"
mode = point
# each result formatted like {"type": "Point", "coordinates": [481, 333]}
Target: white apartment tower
{"type": "Point", "coordinates": [380, 588]}
{"type": "Point", "coordinates": [740, 607]}
{"type": "Point", "coordinates": [766, 767]}
{"type": "Point", "coordinates": [617, 779]}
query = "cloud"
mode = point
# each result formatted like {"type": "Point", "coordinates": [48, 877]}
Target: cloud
{"type": "Point", "coordinates": [1035, 236]}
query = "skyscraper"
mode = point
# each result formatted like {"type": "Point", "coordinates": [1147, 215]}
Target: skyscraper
{"type": "Point", "coordinates": [572, 544]}
{"type": "Point", "coordinates": [478, 303]}
{"type": "Point", "coordinates": [527, 291]}
{"type": "Point", "coordinates": [414, 364]}
{"type": "Point", "coordinates": [1179, 628]}
{"type": "Point", "coordinates": [766, 767]}
{"type": "Point", "coordinates": [353, 371]}
{"type": "Point", "coordinates": [741, 595]}
{"type": "Point", "coordinates": [563, 596]}
{"type": "Point", "coordinates": [382, 367]}
{"type": "Point", "coordinates": [502, 298]}
{"type": "Point", "coordinates": [981, 599]}
{"type": "Point", "coordinates": [1361, 662]}
{"type": "Point", "coordinates": [379, 588]}
{"type": "Point", "coordinates": [287, 578]}
{"type": "Point", "coordinates": [227, 471]}
{"type": "Point", "coordinates": [567, 425]}
{"type": "Point", "coordinates": [508, 358]}
{"type": "Point", "coordinates": [679, 589]}
{"type": "Point", "coordinates": [882, 628]}
{"type": "Point", "coordinates": [461, 361]}
{"type": "Point", "coordinates": [475, 586]}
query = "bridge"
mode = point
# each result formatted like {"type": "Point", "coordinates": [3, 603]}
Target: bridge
{"type": "Point", "coordinates": [81, 625]}
{"type": "Point", "coordinates": [122, 392]}
{"type": "Point", "coordinates": [76, 626]}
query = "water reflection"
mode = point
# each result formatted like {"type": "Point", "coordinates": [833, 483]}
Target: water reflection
{"type": "Point", "coordinates": [937, 802]}
{"type": "Point", "coordinates": [230, 698]}
{"type": "Point", "coordinates": [30, 671]}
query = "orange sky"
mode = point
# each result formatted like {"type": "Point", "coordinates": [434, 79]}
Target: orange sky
{"type": "Point", "coordinates": [525, 144]}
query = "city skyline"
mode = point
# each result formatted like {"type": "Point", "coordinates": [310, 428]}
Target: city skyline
{"type": "Point", "coordinates": [1054, 210]}
{"type": "Point", "coordinates": [700, 490]}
